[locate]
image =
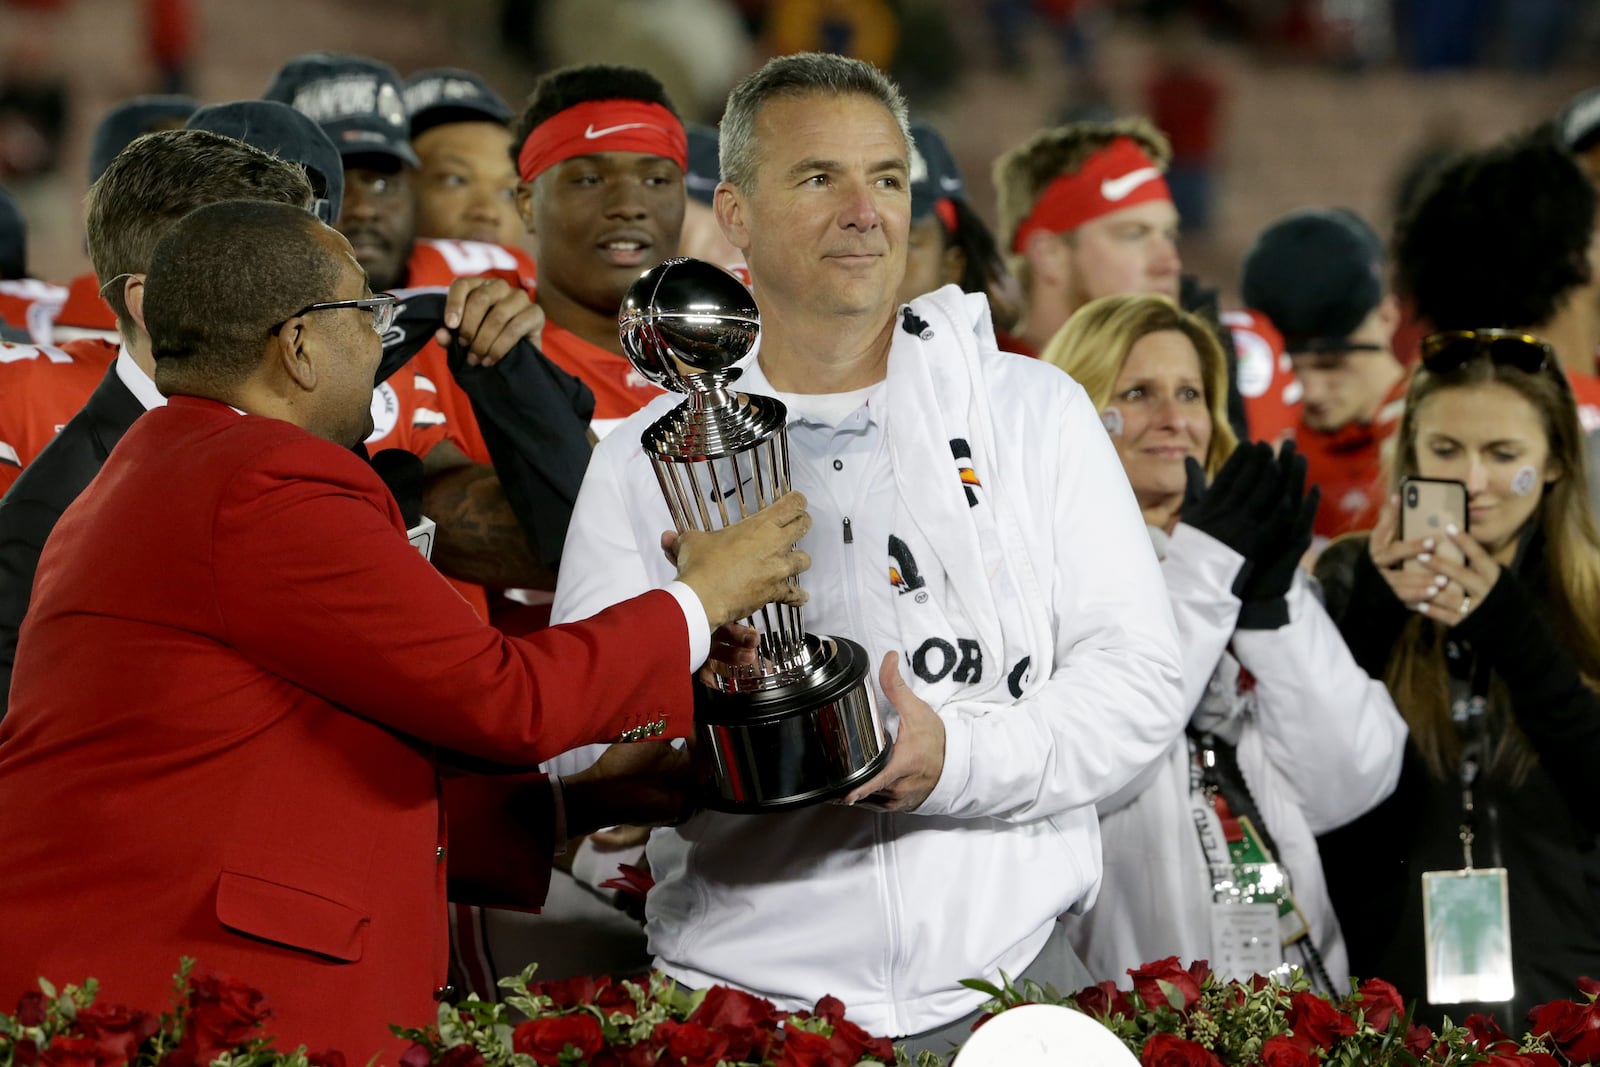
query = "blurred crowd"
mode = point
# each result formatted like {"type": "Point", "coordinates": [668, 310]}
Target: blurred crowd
{"type": "Point", "coordinates": [1339, 716]}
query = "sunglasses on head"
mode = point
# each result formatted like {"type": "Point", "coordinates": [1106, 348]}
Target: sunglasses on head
{"type": "Point", "coordinates": [1450, 350]}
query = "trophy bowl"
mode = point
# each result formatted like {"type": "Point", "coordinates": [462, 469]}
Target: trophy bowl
{"type": "Point", "coordinates": [800, 725]}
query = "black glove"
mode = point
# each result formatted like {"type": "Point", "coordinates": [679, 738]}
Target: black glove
{"type": "Point", "coordinates": [1285, 536]}
{"type": "Point", "coordinates": [1234, 507]}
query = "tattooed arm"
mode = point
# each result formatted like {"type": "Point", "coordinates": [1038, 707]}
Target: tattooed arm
{"type": "Point", "coordinates": [479, 538]}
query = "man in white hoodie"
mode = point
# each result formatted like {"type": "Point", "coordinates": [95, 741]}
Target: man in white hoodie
{"type": "Point", "coordinates": [973, 530]}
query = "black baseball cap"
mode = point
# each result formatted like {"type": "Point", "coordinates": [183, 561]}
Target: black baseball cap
{"type": "Point", "coordinates": [282, 131]}
{"type": "Point", "coordinates": [357, 101]}
{"type": "Point", "coordinates": [133, 118]}
{"type": "Point", "coordinates": [1316, 274]}
{"type": "Point", "coordinates": [13, 238]}
{"type": "Point", "coordinates": [934, 175]}
{"type": "Point", "coordinates": [705, 167]}
{"type": "Point", "coordinates": [442, 95]}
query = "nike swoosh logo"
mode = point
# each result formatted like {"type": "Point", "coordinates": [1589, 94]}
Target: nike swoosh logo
{"type": "Point", "coordinates": [1118, 188]}
{"type": "Point", "coordinates": [590, 133]}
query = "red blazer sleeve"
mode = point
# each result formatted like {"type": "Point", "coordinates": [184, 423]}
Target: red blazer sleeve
{"type": "Point", "coordinates": [315, 582]}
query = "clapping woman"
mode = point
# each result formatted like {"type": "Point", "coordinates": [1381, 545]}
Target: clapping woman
{"type": "Point", "coordinates": [1211, 853]}
{"type": "Point", "coordinates": [1492, 662]}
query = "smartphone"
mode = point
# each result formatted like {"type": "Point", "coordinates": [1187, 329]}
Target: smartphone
{"type": "Point", "coordinates": [1427, 506]}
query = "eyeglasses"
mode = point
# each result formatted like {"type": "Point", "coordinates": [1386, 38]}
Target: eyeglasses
{"type": "Point", "coordinates": [1450, 350]}
{"type": "Point", "coordinates": [382, 306]}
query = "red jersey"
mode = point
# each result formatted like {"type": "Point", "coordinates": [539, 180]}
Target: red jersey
{"type": "Point", "coordinates": [41, 387]}
{"type": "Point", "coordinates": [31, 306]}
{"type": "Point", "coordinates": [1586, 391]}
{"type": "Point", "coordinates": [619, 389]}
{"type": "Point", "coordinates": [85, 313]}
{"type": "Point", "coordinates": [421, 405]}
{"type": "Point", "coordinates": [1348, 466]}
{"type": "Point", "coordinates": [1265, 376]}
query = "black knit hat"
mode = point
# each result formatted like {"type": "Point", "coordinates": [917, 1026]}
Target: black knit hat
{"type": "Point", "coordinates": [1316, 274]}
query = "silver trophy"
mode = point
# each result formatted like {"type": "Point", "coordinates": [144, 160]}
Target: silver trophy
{"type": "Point", "coordinates": [799, 725]}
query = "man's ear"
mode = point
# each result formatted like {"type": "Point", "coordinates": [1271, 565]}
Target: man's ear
{"type": "Point", "coordinates": [288, 353]}
{"type": "Point", "coordinates": [525, 207]}
{"type": "Point", "coordinates": [1049, 258]}
{"type": "Point", "coordinates": [133, 299]}
{"type": "Point", "coordinates": [727, 204]}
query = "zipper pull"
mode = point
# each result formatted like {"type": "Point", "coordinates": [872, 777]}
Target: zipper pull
{"type": "Point", "coordinates": [849, 538]}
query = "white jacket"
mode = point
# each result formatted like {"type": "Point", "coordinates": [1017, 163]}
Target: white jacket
{"type": "Point", "coordinates": [890, 912]}
{"type": "Point", "coordinates": [1319, 743]}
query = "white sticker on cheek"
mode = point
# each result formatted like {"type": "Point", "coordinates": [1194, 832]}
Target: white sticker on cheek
{"type": "Point", "coordinates": [1111, 418]}
{"type": "Point", "coordinates": [1525, 481]}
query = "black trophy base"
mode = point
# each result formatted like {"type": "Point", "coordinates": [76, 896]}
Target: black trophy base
{"type": "Point", "coordinates": [794, 744]}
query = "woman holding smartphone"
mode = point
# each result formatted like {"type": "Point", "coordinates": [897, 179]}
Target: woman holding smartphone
{"type": "Point", "coordinates": [1211, 853]}
{"type": "Point", "coordinates": [1489, 652]}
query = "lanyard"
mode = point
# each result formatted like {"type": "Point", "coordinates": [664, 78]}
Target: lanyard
{"type": "Point", "coordinates": [1471, 716]}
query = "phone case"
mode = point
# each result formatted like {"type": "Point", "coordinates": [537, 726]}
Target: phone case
{"type": "Point", "coordinates": [1427, 506]}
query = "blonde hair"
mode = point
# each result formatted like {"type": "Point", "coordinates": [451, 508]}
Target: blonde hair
{"type": "Point", "coordinates": [1417, 674]}
{"type": "Point", "coordinates": [1095, 342]}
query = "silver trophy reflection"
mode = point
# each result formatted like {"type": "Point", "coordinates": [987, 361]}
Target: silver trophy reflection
{"type": "Point", "coordinates": [799, 725]}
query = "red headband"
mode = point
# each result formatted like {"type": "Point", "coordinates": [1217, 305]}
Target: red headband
{"type": "Point", "coordinates": [603, 126]}
{"type": "Point", "coordinates": [1119, 175]}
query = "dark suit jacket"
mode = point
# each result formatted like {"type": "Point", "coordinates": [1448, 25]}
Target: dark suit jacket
{"type": "Point", "coordinates": [229, 694]}
{"type": "Point", "coordinates": [30, 508]}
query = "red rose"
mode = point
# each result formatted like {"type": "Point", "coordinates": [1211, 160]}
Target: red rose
{"type": "Point", "coordinates": [74, 1052]}
{"type": "Point", "coordinates": [690, 1043]}
{"type": "Point", "coordinates": [1281, 1052]}
{"type": "Point", "coordinates": [643, 1054]}
{"type": "Point", "coordinates": [576, 992]}
{"type": "Point", "coordinates": [802, 1048]}
{"type": "Point", "coordinates": [459, 1056]}
{"type": "Point", "coordinates": [328, 1057]}
{"type": "Point", "coordinates": [1487, 1035]}
{"type": "Point", "coordinates": [1169, 1050]}
{"type": "Point", "coordinates": [1165, 982]}
{"type": "Point", "coordinates": [614, 997]}
{"type": "Point", "coordinates": [1381, 1003]}
{"type": "Point", "coordinates": [31, 1008]}
{"type": "Point", "coordinates": [25, 1053]}
{"type": "Point", "coordinates": [1316, 1023]}
{"type": "Point", "coordinates": [416, 1056]}
{"type": "Point", "coordinates": [1522, 1059]}
{"type": "Point", "coordinates": [1574, 1027]}
{"type": "Point", "coordinates": [1589, 987]}
{"type": "Point", "coordinates": [1103, 1000]}
{"type": "Point", "coordinates": [724, 1007]}
{"type": "Point", "coordinates": [223, 1015]}
{"type": "Point", "coordinates": [1419, 1040]}
{"type": "Point", "coordinates": [118, 1030]}
{"type": "Point", "coordinates": [545, 1039]}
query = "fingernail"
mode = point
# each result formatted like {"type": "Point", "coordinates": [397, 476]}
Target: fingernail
{"type": "Point", "coordinates": [1432, 591]}
{"type": "Point", "coordinates": [1427, 543]}
{"type": "Point", "coordinates": [1440, 581]}
{"type": "Point", "coordinates": [453, 319]}
{"type": "Point", "coordinates": [1422, 606]}
{"type": "Point", "coordinates": [1451, 529]}
{"type": "Point", "coordinates": [1423, 557]}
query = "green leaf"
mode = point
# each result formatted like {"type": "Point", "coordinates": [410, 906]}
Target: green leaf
{"type": "Point", "coordinates": [47, 987]}
{"type": "Point", "coordinates": [981, 986]}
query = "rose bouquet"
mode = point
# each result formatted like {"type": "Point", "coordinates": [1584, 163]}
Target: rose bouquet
{"type": "Point", "coordinates": [606, 1023]}
{"type": "Point", "coordinates": [1176, 1016]}
{"type": "Point", "coordinates": [581, 1021]}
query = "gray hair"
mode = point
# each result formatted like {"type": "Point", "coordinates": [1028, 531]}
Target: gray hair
{"type": "Point", "coordinates": [794, 77]}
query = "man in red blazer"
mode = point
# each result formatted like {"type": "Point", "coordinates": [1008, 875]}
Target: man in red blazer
{"type": "Point", "coordinates": [233, 684]}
